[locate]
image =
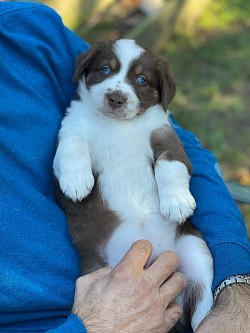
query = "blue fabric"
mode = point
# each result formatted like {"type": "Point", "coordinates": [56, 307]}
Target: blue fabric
{"type": "Point", "coordinates": [38, 263]}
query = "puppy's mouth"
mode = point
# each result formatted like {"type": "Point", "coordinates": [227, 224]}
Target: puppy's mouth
{"type": "Point", "coordinates": [118, 113]}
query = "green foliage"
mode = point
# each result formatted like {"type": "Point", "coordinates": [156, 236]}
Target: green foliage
{"type": "Point", "coordinates": [222, 13]}
{"type": "Point", "coordinates": [213, 70]}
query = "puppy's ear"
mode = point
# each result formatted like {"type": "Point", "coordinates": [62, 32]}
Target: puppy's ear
{"type": "Point", "coordinates": [82, 62]}
{"type": "Point", "coordinates": [167, 84]}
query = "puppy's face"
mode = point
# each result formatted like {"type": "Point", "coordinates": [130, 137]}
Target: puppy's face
{"type": "Point", "coordinates": [124, 80]}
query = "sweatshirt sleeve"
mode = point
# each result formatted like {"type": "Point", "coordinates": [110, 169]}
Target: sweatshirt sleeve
{"type": "Point", "coordinates": [216, 216]}
{"type": "Point", "coordinates": [72, 325]}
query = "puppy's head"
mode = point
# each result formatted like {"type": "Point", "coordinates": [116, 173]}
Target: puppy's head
{"type": "Point", "coordinates": [123, 79]}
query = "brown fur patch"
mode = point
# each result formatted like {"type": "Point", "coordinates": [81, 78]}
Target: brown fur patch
{"type": "Point", "coordinates": [91, 62]}
{"type": "Point", "coordinates": [91, 224]}
{"type": "Point", "coordinates": [166, 145]}
{"type": "Point", "coordinates": [160, 85]}
{"type": "Point", "coordinates": [187, 229]}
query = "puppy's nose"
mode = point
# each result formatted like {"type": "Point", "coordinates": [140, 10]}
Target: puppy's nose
{"type": "Point", "coordinates": [115, 99]}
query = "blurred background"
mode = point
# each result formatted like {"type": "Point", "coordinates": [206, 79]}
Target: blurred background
{"type": "Point", "coordinates": [207, 44]}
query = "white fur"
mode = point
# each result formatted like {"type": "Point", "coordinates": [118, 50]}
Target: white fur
{"type": "Point", "coordinates": [197, 265]}
{"type": "Point", "coordinates": [127, 51]}
{"type": "Point", "coordinates": [176, 201]}
{"type": "Point", "coordinates": [79, 183]}
{"type": "Point", "coordinates": [149, 205]}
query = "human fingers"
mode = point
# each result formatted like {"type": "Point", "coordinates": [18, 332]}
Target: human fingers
{"type": "Point", "coordinates": [172, 315]}
{"type": "Point", "coordinates": [163, 267]}
{"type": "Point", "coordinates": [172, 287]}
{"type": "Point", "coordinates": [137, 256]}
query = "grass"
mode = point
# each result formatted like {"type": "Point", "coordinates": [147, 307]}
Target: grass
{"type": "Point", "coordinates": [213, 94]}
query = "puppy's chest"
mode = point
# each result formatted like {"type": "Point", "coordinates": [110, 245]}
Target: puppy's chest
{"type": "Point", "coordinates": [120, 151]}
{"type": "Point", "coordinates": [122, 161]}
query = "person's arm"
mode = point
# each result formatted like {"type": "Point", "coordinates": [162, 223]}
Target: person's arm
{"type": "Point", "coordinates": [231, 312]}
{"type": "Point", "coordinates": [219, 220]}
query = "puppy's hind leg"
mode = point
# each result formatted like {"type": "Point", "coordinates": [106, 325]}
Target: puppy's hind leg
{"type": "Point", "coordinates": [197, 266]}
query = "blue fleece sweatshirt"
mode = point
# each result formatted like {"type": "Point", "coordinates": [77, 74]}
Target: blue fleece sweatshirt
{"type": "Point", "coordinates": [38, 263]}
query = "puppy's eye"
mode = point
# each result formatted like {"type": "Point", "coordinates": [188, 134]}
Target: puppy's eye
{"type": "Point", "coordinates": [106, 70]}
{"type": "Point", "coordinates": [141, 80]}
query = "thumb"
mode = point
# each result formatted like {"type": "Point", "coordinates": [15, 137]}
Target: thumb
{"type": "Point", "coordinates": [137, 256]}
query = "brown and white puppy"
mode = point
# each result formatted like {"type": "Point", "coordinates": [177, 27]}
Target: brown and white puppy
{"type": "Point", "coordinates": [123, 171]}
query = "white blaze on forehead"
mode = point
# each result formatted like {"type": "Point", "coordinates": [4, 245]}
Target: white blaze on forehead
{"type": "Point", "coordinates": [127, 51]}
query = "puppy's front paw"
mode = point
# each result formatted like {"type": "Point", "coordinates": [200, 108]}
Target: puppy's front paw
{"type": "Point", "coordinates": [76, 184]}
{"type": "Point", "coordinates": [176, 204]}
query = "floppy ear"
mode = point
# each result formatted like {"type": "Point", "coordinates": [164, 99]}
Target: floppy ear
{"type": "Point", "coordinates": [167, 84]}
{"type": "Point", "coordinates": [82, 62]}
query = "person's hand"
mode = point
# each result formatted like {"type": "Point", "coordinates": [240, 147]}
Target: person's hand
{"type": "Point", "coordinates": [231, 313]}
{"type": "Point", "coordinates": [129, 298]}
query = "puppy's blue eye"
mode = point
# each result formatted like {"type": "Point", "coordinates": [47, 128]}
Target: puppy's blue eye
{"type": "Point", "coordinates": [106, 70]}
{"type": "Point", "coordinates": [141, 80]}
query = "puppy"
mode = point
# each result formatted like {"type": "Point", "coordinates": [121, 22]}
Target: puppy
{"type": "Point", "coordinates": [123, 173]}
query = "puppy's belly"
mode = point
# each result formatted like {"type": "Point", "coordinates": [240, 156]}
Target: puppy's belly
{"type": "Point", "coordinates": [155, 229]}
